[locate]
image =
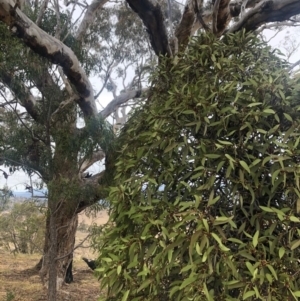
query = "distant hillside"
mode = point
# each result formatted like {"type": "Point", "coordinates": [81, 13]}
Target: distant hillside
{"type": "Point", "coordinates": [27, 194]}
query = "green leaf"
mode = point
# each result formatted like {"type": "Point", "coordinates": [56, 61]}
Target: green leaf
{"type": "Point", "coordinates": [229, 157]}
{"type": "Point", "coordinates": [205, 223]}
{"type": "Point", "coordinates": [189, 112]}
{"type": "Point", "coordinates": [266, 209]}
{"type": "Point", "coordinates": [248, 294]}
{"type": "Point", "coordinates": [272, 271]}
{"type": "Point", "coordinates": [174, 290]}
{"type": "Point", "coordinates": [247, 255]}
{"type": "Point", "coordinates": [281, 252]}
{"type": "Point", "coordinates": [125, 296]}
{"type": "Point", "coordinates": [107, 259]}
{"type": "Point", "coordinates": [250, 267]}
{"type": "Point", "coordinates": [224, 142]}
{"type": "Point", "coordinates": [255, 239]}
{"type": "Point", "coordinates": [288, 117]}
{"type": "Point", "coordinates": [209, 297]}
{"type": "Point", "coordinates": [187, 268]}
{"type": "Point", "coordinates": [281, 94]}
{"type": "Point", "coordinates": [221, 246]}
{"type": "Point", "coordinates": [295, 244]}
{"type": "Point", "coordinates": [297, 293]}
{"type": "Point", "coordinates": [217, 238]}
{"type": "Point", "coordinates": [212, 200]}
{"type": "Point", "coordinates": [269, 111]}
{"type": "Point", "coordinates": [269, 278]}
{"type": "Point", "coordinates": [170, 253]}
{"type": "Point", "coordinates": [235, 240]}
{"type": "Point", "coordinates": [254, 104]}
{"type": "Point", "coordinates": [145, 284]}
{"type": "Point", "coordinates": [170, 147]}
{"type": "Point", "coordinates": [222, 220]}
{"type": "Point", "coordinates": [187, 281]}
{"type": "Point", "coordinates": [224, 248]}
{"type": "Point", "coordinates": [119, 269]}
{"type": "Point", "coordinates": [212, 156]}
{"type": "Point", "coordinates": [294, 219]}
{"type": "Point", "coordinates": [245, 166]}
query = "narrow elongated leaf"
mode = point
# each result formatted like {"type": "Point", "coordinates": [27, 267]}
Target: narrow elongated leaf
{"type": "Point", "coordinates": [255, 239]}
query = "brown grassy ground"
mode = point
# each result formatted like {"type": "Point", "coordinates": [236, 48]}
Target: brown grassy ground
{"type": "Point", "coordinates": [18, 281]}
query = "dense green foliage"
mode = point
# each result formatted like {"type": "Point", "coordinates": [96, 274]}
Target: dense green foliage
{"type": "Point", "coordinates": [208, 181]}
{"type": "Point", "coordinates": [26, 143]}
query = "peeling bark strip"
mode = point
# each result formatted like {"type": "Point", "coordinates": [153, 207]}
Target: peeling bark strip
{"type": "Point", "coordinates": [267, 11]}
{"type": "Point", "coordinates": [51, 48]}
{"type": "Point", "coordinates": [153, 19]}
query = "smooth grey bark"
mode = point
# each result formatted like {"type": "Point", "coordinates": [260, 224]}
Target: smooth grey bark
{"type": "Point", "coordinates": [121, 99]}
{"type": "Point", "coordinates": [52, 49]}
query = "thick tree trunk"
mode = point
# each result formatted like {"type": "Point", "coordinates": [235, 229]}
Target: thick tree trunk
{"type": "Point", "coordinates": [59, 244]}
{"type": "Point", "coordinates": [62, 219]}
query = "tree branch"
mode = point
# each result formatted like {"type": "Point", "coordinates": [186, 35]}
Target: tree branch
{"type": "Point", "coordinates": [184, 29]}
{"type": "Point", "coordinates": [122, 98]}
{"type": "Point", "coordinates": [89, 17]}
{"type": "Point", "coordinates": [54, 50]}
{"type": "Point", "coordinates": [223, 17]}
{"type": "Point", "coordinates": [267, 11]}
{"type": "Point", "coordinates": [96, 190]}
{"type": "Point", "coordinates": [152, 17]}
{"type": "Point", "coordinates": [23, 94]}
{"type": "Point", "coordinates": [215, 16]}
{"type": "Point", "coordinates": [294, 65]}
{"type": "Point", "coordinates": [41, 12]}
{"type": "Point", "coordinates": [234, 10]}
{"type": "Point", "coordinates": [62, 105]}
{"type": "Point", "coordinates": [86, 163]}
{"type": "Point", "coordinates": [199, 16]}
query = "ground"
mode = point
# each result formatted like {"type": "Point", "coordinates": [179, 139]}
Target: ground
{"type": "Point", "coordinates": [19, 283]}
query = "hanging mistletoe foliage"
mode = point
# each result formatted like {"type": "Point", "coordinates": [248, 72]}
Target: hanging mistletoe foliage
{"type": "Point", "coordinates": [208, 181]}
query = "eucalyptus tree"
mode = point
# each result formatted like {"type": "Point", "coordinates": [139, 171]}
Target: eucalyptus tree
{"type": "Point", "coordinates": [41, 123]}
{"type": "Point", "coordinates": [47, 63]}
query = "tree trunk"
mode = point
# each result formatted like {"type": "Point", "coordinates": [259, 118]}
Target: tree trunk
{"type": "Point", "coordinates": [59, 244]}
{"type": "Point", "coordinates": [50, 262]}
{"type": "Point", "coordinates": [62, 219]}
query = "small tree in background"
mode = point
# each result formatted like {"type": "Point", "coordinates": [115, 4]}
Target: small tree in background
{"type": "Point", "coordinates": [22, 229]}
{"type": "Point", "coordinates": [208, 181]}
{"type": "Point", "coordinates": [5, 194]}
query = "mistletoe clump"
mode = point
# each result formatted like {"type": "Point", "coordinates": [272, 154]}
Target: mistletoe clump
{"type": "Point", "coordinates": [207, 195]}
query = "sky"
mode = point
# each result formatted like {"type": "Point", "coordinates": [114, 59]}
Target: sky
{"type": "Point", "coordinates": [19, 179]}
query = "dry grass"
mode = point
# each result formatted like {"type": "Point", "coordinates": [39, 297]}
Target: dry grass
{"type": "Point", "coordinates": [19, 281]}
